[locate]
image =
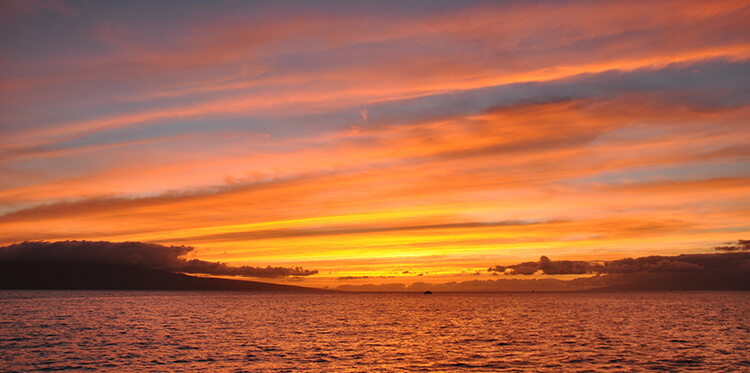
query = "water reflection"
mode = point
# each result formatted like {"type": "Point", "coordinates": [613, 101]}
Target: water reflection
{"type": "Point", "coordinates": [191, 331]}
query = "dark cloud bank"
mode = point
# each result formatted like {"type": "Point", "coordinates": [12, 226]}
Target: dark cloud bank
{"type": "Point", "coordinates": [136, 254]}
{"type": "Point", "coordinates": [736, 259]}
{"type": "Point", "coordinates": [727, 270]}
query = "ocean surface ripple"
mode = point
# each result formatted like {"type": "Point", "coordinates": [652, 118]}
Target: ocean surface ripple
{"type": "Point", "coordinates": [124, 331]}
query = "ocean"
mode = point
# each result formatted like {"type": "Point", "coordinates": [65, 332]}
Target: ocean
{"type": "Point", "coordinates": [137, 331]}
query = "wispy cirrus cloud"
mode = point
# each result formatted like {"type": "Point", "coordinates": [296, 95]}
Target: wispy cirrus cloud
{"type": "Point", "coordinates": [377, 130]}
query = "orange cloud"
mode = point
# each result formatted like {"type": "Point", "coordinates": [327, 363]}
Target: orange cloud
{"type": "Point", "coordinates": [485, 132]}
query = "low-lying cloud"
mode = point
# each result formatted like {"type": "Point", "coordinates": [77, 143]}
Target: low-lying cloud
{"type": "Point", "coordinates": [732, 261]}
{"type": "Point", "coordinates": [547, 266]}
{"type": "Point", "coordinates": [739, 245]}
{"type": "Point", "coordinates": [346, 278]}
{"type": "Point", "coordinates": [139, 254]}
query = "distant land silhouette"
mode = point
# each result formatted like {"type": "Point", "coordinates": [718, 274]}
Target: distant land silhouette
{"type": "Point", "coordinates": [597, 283]}
{"type": "Point", "coordinates": [681, 281]}
{"type": "Point", "coordinates": [142, 266]}
{"type": "Point", "coordinates": [726, 269]}
{"type": "Point", "coordinates": [95, 276]}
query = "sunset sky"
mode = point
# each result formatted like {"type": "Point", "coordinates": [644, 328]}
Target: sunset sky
{"type": "Point", "coordinates": [417, 141]}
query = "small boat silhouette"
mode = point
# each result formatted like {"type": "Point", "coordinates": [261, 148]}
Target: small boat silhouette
{"type": "Point", "coordinates": [428, 292]}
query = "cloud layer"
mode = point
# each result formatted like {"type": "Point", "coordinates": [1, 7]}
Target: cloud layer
{"type": "Point", "coordinates": [360, 138]}
{"type": "Point", "coordinates": [139, 254]}
{"type": "Point", "coordinates": [727, 262]}
{"type": "Point", "coordinates": [739, 245]}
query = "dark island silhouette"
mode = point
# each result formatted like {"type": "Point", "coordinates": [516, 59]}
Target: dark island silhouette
{"type": "Point", "coordinates": [102, 265]}
{"type": "Point", "coordinates": [143, 266]}
{"type": "Point", "coordinates": [727, 268]}
{"type": "Point", "coordinates": [732, 281]}
{"type": "Point", "coordinates": [91, 276]}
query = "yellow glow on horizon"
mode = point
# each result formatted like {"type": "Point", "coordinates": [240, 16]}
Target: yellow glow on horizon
{"type": "Point", "coordinates": [373, 144]}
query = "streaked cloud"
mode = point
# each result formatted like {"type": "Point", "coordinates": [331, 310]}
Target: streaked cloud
{"type": "Point", "coordinates": [280, 133]}
{"type": "Point", "coordinates": [739, 245]}
{"type": "Point", "coordinates": [729, 262]}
